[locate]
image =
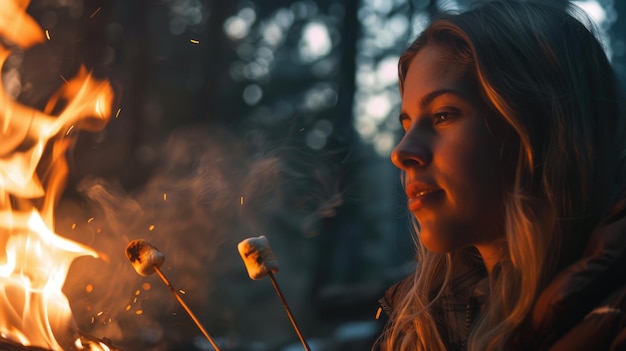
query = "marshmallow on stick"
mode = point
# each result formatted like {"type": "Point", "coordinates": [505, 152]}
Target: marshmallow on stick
{"type": "Point", "coordinates": [260, 261]}
{"type": "Point", "coordinates": [144, 256]}
{"type": "Point", "coordinates": [258, 257]}
{"type": "Point", "coordinates": [146, 260]}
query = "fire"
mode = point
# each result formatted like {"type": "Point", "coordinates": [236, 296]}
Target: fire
{"type": "Point", "coordinates": [34, 260]}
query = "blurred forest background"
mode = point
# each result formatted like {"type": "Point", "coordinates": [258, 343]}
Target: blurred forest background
{"type": "Point", "coordinates": [235, 119]}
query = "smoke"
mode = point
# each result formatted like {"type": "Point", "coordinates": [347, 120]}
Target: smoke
{"type": "Point", "coordinates": [209, 191]}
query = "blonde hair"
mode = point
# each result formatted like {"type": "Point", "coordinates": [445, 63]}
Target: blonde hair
{"type": "Point", "coordinates": [545, 74]}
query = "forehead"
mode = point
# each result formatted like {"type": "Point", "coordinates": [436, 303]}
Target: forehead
{"type": "Point", "coordinates": [435, 68]}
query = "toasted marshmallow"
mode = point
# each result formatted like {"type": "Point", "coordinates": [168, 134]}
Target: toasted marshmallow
{"type": "Point", "coordinates": [258, 257]}
{"type": "Point", "coordinates": [144, 256]}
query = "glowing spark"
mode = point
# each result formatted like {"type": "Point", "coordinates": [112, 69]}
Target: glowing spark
{"type": "Point", "coordinates": [89, 288]}
{"type": "Point", "coordinates": [117, 114]}
{"type": "Point", "coordinates": [100, 313]}
{"type": "Point", "coordinates": [137, 292]}
{"type": "Point", "coordinates": [96, 12]}
{"type": "Point", "coordinates": [139, 311]}
{"type": "Point", "coordinates": [128, 308]}
{"type": "Point", "coordinates": [194, 41]}
{"type": "Point", "coordinates": [151, 227]}
{"type": "Point", "coordinates": [99, 107]}
{"type": "Point", "coordinates": [90, 220]}
{"type": "Point", "coordinates": [47, 34]}
{"type": "Point", "coordinates": [378, 312]}
{"type": "Point", "coordinates": [65, 80]}
{"type": "Point", "coordinates": [164, 196]}
{"type": "Point", "coordinates": [69, 130]}
{"type": "Point", "coordinates": [241, 200]}
{"type": "Point", "coordinates": [182, 291]}
{"type": "Point", "coordinates": [92, 320]}
{"type": "Point", "coordinates": [73, 225]}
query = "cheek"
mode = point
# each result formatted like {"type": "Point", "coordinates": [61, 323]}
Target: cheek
{"type": "Point", "coordinates": [473, 165]}
{"type": "Point", "coordinates": [483, 159]}
{"type": "Point", "coordinates": [477, 181]}
{"type": "Point", "coordinates": [486, 206]}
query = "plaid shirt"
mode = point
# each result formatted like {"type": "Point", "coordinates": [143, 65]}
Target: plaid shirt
{"type": "Point", "coordinates": [457, 308]}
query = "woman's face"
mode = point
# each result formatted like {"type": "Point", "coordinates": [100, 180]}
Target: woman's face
{"type": "Point", "coordinates": [451, 155]}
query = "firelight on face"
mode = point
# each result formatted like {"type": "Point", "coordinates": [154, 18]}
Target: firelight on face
{"type": "Point", "coordinates": [452, 161]}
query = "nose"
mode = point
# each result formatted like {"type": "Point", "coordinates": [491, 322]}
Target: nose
{"type": "Point", "coordinates": [411, 152]}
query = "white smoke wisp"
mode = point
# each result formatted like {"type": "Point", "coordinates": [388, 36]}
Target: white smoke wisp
{"type": "Point", "coordinates": [209, 191]}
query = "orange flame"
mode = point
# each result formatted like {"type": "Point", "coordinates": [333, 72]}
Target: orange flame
{"type": "Point", "coordinates": [34, 260]}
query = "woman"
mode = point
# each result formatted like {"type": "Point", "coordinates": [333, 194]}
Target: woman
{"type": "Point", "coordinates": [512, 160]}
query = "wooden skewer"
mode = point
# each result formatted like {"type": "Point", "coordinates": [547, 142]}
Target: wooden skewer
{"type": "Point", "coordinates": [293, 321]}
{"type": "Point", "coordinates": [187, 309]}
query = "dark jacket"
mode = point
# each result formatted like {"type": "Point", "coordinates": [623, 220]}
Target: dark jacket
{"type": "Point", "coordinates": [583, 308]}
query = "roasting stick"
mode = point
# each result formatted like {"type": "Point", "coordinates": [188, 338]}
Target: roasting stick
{"type": "Point", "coordinates": [260, 261]}
{"type": "Point", "coordinates": [182, 302]}
{"type": "Point", "coordinates": [147, 259]}
{"type": "Point", "coordinates": [293, 321]}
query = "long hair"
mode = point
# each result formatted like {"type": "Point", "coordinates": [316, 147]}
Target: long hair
{"type": "Point", "coordinates": [542, 71]}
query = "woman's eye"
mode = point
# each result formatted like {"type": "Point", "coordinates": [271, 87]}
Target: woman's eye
{"type": "Point", "coordinates": [445, 115]}
{"type": "Point", "coordinates": [441, 117]}
{"type": "Point", "coordinates": [405, 122]}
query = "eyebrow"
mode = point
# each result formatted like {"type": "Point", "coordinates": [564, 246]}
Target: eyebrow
{"type": "Point", "coordinates": [428, 98]}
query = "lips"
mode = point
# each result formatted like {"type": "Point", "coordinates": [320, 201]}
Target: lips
{"type": "Point", "coordinates": [420, 194]}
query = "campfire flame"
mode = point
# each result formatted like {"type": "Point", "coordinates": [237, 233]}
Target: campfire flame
{"type": "Point", "coordinates": [34, 260]}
